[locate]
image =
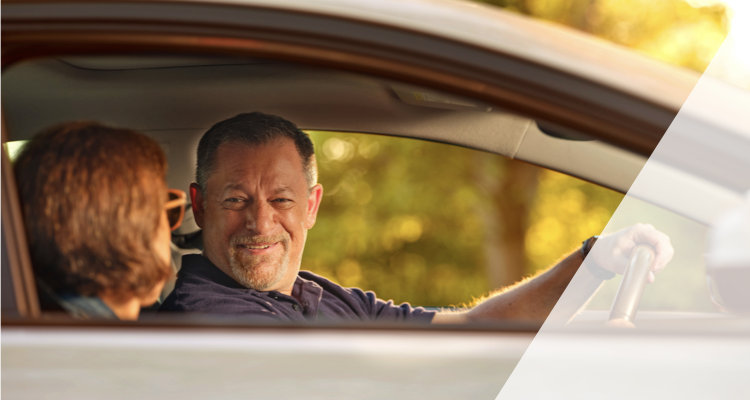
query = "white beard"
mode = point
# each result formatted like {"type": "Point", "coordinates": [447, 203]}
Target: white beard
{"type": "Point", "coordinates": [258, 272]}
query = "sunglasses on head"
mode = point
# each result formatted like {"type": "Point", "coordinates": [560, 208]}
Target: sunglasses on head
{"type": "Point", "coordinates": [175, 207]}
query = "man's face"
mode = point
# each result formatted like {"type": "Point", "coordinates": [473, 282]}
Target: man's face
{"type": "Point", "coordinates": [256, 212]}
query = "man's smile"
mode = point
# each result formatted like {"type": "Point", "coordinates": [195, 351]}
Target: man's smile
{"type": "Point", "coordinates": [259, 262]}
{"type": "Point", "coordinates": [260, 248]}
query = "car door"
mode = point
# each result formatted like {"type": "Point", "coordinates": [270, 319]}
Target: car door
{"type": "Point", "coordinates": [530, 84]}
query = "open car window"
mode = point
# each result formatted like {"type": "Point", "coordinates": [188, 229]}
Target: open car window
{"type": "Point", "coordinates": [412, 219]}
{"type": "Point", "coordinates": [436, 200]}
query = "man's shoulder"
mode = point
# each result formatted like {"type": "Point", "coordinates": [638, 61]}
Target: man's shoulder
{"type": "Point", "coordinates": [366, 304]}
{"type": "Point", "coordinates": [330, 286]}
{"type": "Point", "coordinates": [202, 287]}
{"type": "Point", "coordinates": [310, 276]}
{"type": "Point", "coordinates": [195, 293]}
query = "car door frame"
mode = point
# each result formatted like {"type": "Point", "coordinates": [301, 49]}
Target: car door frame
{"type": "Point", "coordinates": [39, 29]}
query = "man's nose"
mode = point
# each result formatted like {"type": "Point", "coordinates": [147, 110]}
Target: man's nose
{"type": "Point", "coordinates": [260, 219]}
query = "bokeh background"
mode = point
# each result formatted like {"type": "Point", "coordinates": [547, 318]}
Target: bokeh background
{"type": "Point", "coordinates": [439, 225]}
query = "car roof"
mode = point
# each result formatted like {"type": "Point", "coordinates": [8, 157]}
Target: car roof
{"type": "Point", "coordinates": [492, 28]}
{"type": "Point", "coordinates": [175, 99]}
{"type": "Point", "coordinates": [560, 75]}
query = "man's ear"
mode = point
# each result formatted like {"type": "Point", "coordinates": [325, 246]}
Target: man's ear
{"type": "Point", "coordinates": [313, 203]}
{"type": "Point", "coordinates": [196, 201]}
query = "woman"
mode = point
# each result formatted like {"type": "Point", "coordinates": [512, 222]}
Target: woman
{"type": "Point", "coordinates": [94, 202]}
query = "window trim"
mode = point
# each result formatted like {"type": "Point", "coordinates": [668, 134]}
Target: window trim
{"type": "Point", "coordinates": [24, 39]}
{"type": "Point", "coordinates": [16, 246]}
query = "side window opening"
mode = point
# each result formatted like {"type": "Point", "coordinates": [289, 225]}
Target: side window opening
{"type": "Point", "coordinates": [439, 225]}
{"type": "Point", "coordinates": [418, 221]}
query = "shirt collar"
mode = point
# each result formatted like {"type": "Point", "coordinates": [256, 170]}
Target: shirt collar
{"type": "Point", "coordinates": [86, 307]}
{"type": "Point", "coordinates": [200, 265]}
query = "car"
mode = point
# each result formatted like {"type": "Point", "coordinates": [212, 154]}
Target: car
{"type": "Point", "coordinates": [445, 72]}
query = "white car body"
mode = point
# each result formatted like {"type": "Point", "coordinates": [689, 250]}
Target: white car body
{"type": "Point", "coordinates": [569, 80]}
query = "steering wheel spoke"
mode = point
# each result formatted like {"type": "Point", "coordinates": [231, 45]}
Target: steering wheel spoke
{"type": "Point", "coordinates": [633, 283]}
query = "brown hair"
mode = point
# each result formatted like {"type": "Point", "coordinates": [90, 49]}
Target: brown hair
{"type": "Point", "coordinates": [92, 198]}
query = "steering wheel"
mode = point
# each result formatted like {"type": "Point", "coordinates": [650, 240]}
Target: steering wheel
{"type": "Point", "coordinates": [633, 282]}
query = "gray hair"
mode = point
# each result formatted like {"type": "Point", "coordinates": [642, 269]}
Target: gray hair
{"type": "Point", "coordinates": [253, 129]}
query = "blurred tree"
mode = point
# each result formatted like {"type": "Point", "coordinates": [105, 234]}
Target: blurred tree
{"type": "Point", "coordinates": [436, 224]}
{"type": "Point", "coordinates": [399, 216]}
{"type": "Point", "coordinates": [564, 211]}
{"type": "Point", "coordinates": [510, 187]}
{"type": "Point", "coordinates": [440, 225]}
{"type": "Point", "coordinates": [669, 30]}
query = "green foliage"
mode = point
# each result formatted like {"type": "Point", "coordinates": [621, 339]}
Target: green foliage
{"type": "Point", "coordinates": [672, 31]}
{"type": "Point", "coordinates": [397, 217]}
{"type": "Point", "coordinates": [565, 211]}
{"type": "Point", "coordinates": [406, 218]}
{"type": "Point", "coordinates": [417, 221]}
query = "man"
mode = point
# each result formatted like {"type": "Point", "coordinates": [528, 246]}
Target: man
{"type": "Point", "coordinates": [256, 195]}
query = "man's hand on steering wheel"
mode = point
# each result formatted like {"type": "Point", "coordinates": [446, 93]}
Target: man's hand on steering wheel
{"type": "Point", "coordinates": [612, 252]}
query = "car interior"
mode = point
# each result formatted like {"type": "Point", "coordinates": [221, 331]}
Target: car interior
{"type": "Point", "coordinates": [151, 94]}
{"type": "Point", "coordinates": [175, 98]}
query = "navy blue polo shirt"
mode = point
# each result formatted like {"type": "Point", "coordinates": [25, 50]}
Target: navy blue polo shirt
{"type": "Point", "coordinates": [202, 287]}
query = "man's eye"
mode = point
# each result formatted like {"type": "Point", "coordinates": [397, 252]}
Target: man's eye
{"type": "Point", "coordinates": [282, 203]}
{"type": "Point", "coordinates": [234, 203]}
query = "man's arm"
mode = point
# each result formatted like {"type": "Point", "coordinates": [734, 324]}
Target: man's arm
{"type": "Point", "coordinates": [531, 299]}
{"type": "Point", "coordinates": [534, 298]}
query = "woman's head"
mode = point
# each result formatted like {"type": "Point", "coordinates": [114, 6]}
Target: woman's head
{"type": "Point", "coordinates": [93, 200]}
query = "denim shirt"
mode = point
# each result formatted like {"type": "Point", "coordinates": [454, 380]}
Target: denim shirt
{"type": "Point", "coordinates": [84, 307]}
{"type": "Point", "coordinates": [81, 307]}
